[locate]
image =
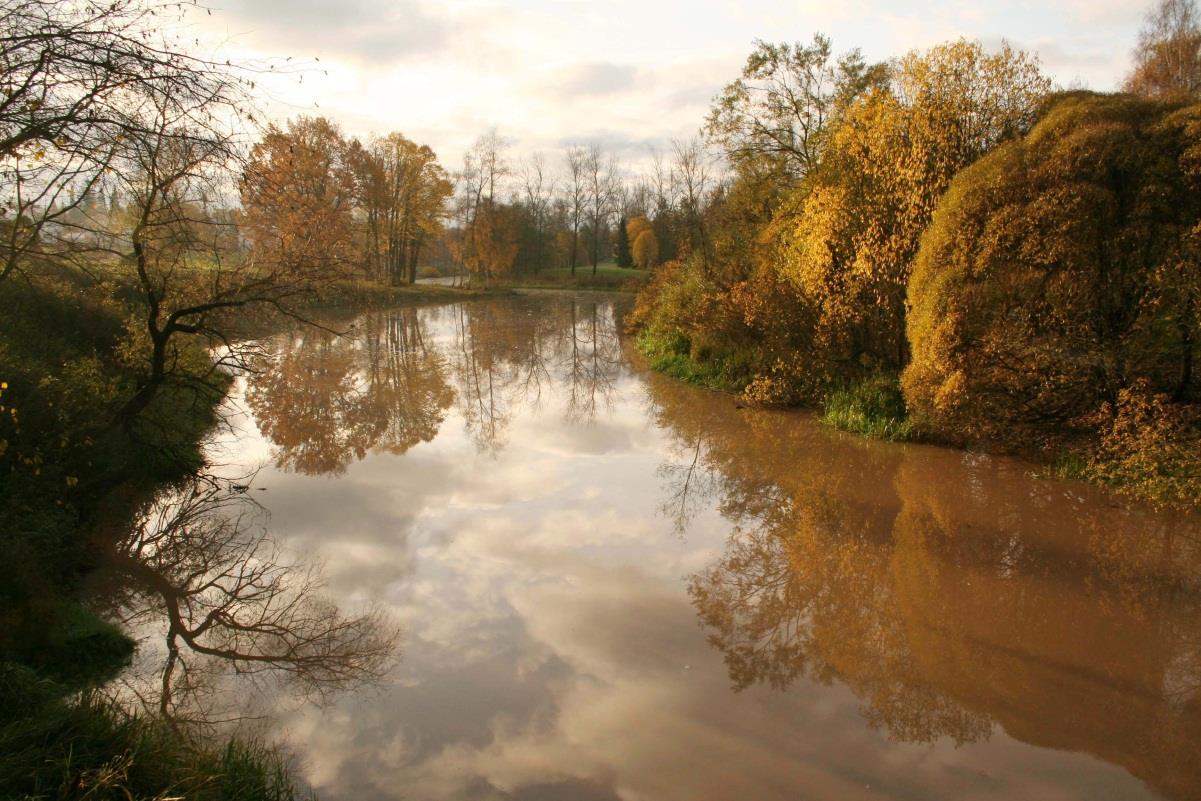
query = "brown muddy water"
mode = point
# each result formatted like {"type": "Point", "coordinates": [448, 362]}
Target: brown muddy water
{"type": "Point", "coordinates": [615, 586]}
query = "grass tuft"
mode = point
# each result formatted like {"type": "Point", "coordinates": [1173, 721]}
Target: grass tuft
{"type": "Point", "coordinates": [874, 407]}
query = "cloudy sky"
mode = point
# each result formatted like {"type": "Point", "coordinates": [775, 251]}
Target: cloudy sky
{"type": "Point", "coordinates": [630, 74]}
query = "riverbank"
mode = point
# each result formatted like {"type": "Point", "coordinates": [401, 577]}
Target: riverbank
{"type": "Point", "coordinates": [608, 278]}
{"type": "Point", "coordinates": [1146, 452]}
{"type": "Point", "coordinates": [367, 294]}
{"type": "Point", "coordinates": [73, 476]}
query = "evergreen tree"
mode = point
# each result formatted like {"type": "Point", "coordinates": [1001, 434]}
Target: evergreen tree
{"type": "Point", "coordinates": [624, 257]}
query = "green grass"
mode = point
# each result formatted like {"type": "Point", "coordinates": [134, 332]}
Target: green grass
{"type": "Point", "coordinates": [608, 276]}
{"type": "Point", "coordinates": [671, 354]}
{"type": "Point", "coordinates": [55, 744]}
{"type": "Point", "coordinates": [873, 407]}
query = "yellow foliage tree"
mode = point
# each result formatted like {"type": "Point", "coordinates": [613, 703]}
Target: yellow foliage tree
{"type": "Point", "coordinates": [1060, 271]}
{"type": "Point", "coordinates": [646, 249]}
{"type": "Point", "coordinates": [297, 197]}
{"type": "Point", "coordinates": [852, 246]}
{"type": "Point", "coordinates": [636, 226]}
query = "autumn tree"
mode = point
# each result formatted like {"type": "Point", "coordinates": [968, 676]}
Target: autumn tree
{"type": "Point", "coordinates": [886, 165]}
{"type": "Point", "coordinates": [1167, 59]}
{"type": "Point", "coordinates": [636, 226]}
{"type": "Point", "coordinates": [1059, 272]}
{"type": "Point", "coordinates": [778, 113]}
{"type": "Point", "coordinates": [298, 197]}
{"type": "Point", "coordinates": [492, 241]}
{"type": "Point", "coordinates": [485, 235]}
{"type": "Point", "coordinates": [646, 249]}
{"type": "Point", "coordinates": [406, 206]}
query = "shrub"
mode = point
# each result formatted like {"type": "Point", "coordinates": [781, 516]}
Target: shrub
{"type": "Point", "coordinates": [1058, 271]}
{"type": "Point", "coordinates": [1149, 448]}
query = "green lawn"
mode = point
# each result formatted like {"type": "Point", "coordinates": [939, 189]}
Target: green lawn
{"type": "Point", "coordinates": [608, 276]}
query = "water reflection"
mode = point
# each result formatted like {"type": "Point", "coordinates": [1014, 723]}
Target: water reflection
{"type": "Point", "coordinates": [209, 589]}
{"type": "Point", "coordinates": [326, 400]}
{"type": "Point", "coordinates": [551, 524]}
{"type": "Point", "coordinates": [951, 594]}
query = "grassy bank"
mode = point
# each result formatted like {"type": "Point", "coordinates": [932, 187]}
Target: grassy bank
{"type": "Point", "coordinates": [672, 354]}
{"type": "Point", "coordinates": [1144, 446]}
{"type": "Point", "coordinates": [873, 407]}
{"type": "Point", "coordinates": [608, 277]}
{"type": "Point", "coordinates": [71, 478]}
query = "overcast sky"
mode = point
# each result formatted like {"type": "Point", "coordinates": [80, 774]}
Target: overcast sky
{"type": "Point", "coordinates": [628, 73]}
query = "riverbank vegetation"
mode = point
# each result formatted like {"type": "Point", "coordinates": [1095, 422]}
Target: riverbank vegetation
{"type": "Point", "coordinates": [944, 246]}
{"type": "Point", "coordinates": [126, 272]}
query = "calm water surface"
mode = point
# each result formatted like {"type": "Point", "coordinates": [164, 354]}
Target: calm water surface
{"type": "Point", "coordinates": [614, 586]}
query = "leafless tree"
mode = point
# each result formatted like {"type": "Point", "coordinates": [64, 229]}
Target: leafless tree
{"type": "Point", "coordinates": [576, 190]}
{"type": "Point", "coordinates": [601, 184]}
{"type": "Point", "coordinates": [75, 81]}
{"type": "Point", "coordinates": [538, 190]}
{"type": "Point", "coordinates": [693, 171]}
{"type": "Point", "coordinates": [1167, 59]}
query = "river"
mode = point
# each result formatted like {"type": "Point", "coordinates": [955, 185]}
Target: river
{"type": "Point", "coordinates": [614, 586]}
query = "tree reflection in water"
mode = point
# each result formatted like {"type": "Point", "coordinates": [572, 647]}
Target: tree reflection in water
{"type": "Point", "coordinates": [200, 568]}
{"type": "Point", "coordinates": [326, 401]}
{"type": "Point", "coordinates": [947, 604]}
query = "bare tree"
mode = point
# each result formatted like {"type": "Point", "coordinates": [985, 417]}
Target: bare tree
{"type": "Point", "coordinates": [75, 81]}
{"type": "Point", "coordinates": [693, 170]}
{"type": "Point", "coordinates": [1167, 59]}
{"type": "Point", "coordinates": [576, 195]}
{"type": "Point", "coordinates": [538, 190]}
{"type": "Point", "coordinates": [601, 184]}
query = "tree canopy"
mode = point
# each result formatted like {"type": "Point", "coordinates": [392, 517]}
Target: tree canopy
{"type": "Point", "coordinates": [1059, 271]}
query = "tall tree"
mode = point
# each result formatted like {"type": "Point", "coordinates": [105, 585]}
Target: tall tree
{"type": "Point", "coordinates": [601, 185]}
{"type": "Point", "coordinates": [780, 108]}
{"type": "Point", "coordinates": [298, 197]}
{"type": "Point", "coordinates": [576, 189]}
{"type": "Point", "coordinates": [416, 190]}
{"type": "Point", "coordinates": [538, 190]}
{"type": "Point", "coordinates": [1167, 59]}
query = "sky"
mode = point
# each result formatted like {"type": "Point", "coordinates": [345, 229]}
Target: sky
{"type": "Point", "coordinates": [629, 74]}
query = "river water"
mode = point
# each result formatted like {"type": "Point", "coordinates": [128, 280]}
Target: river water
{"type": "Point", "coordinates": [615, 586]}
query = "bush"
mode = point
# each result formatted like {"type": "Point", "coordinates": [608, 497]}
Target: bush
{"type": "Point", "coordinates": [1058, 271]}
{"type": "Point", "coordinates": [1149, 448]}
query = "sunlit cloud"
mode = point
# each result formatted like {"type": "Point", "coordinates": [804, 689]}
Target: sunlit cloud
{"type": "Point", "coordinates": [630, 75]}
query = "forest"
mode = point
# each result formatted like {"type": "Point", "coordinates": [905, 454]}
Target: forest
{"type": "Point", "coordinates": [944, 247]}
